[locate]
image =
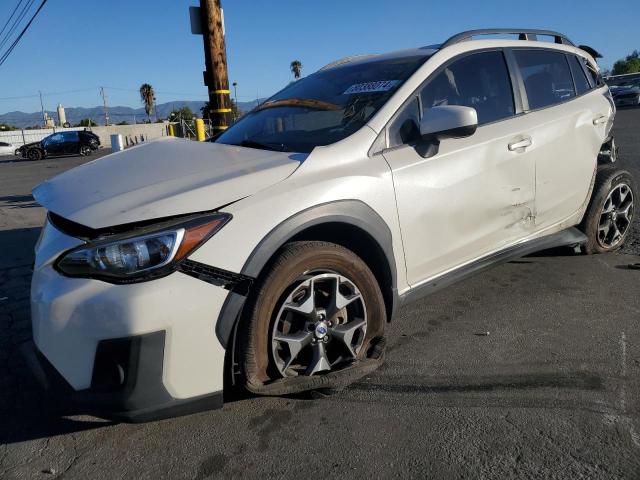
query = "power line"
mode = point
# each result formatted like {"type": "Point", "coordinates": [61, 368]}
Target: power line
{"type": "Point", "coordinates": [19, 97]}
{"type": "Point", "coordinates": [16, 22]}
{"type": "Point", "coordinates": [162, 92]}
{"type": "Point", "coordinates": [13, 45]}
{"type": "Point", "coordinates": [10, 17]}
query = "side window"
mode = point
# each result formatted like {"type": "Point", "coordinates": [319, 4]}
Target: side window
{"type": "Point", "coordinates": [579, 78]}
{"type": "Point", "coordinates": [55, 138]}
{"type": "Point", "coordinates": [71, 136]}
{"type": "Point", "coordinates": [546, 75]}
{"type": "Point", "coordinates": [3, 144]}
{"type": "Point", "coordinates": [480, 80]}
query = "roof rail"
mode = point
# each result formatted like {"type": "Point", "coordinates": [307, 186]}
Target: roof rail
{"type": "Point", "coordinates": [523, 34]}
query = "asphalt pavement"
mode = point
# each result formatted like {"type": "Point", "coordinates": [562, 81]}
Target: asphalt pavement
{"type": "Point", "coordinates": [528, 370]}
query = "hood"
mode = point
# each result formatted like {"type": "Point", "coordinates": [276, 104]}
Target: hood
{"type": "Point", "coordinates": [32, 144]}
{"type": "Point", "coordinates": [162, 178]}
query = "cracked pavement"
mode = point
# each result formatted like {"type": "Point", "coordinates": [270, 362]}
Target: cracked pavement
{"type": "Point", "coordinates": [551, 392]}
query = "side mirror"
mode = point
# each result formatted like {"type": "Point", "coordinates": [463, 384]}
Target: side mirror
{"type": "Point", "coordinates": [448, 121]}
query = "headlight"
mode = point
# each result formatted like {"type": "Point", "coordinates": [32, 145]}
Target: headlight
{"type": "Point", "coordinates": [136, 256]}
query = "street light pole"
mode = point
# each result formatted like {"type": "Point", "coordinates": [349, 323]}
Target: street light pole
{"type": "Point", "coordinates": [215, 54]}
{"type": "Point", "coordinates": [106, 109]}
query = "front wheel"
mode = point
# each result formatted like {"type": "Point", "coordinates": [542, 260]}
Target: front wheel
{"type": "Point", "coordinates": [85, 150]}
{"type": "Point", "coordinates": [318, 311]}
{"type": "Point", "coordinates": [608, 219]}
{"type": "Point", "coordinates": [34, 154]}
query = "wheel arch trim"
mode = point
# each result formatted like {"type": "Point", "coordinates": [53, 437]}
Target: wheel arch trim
{"type": "Point", "coordinates": [353, 212]}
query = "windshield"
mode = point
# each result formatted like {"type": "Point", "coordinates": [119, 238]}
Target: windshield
{"type": "Point", "coordinates": [323, 108]}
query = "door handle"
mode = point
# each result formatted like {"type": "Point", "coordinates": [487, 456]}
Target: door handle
{"type": "Point", "coordinates": [599, 120]}
{"type": "Point", "coordinates": [522, 143]}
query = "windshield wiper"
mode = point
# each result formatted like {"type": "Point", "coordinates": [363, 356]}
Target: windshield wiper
{"type": "Point", "coordinates": [263, 146]}
{"type": "Point", "coordinates": [299, 102]}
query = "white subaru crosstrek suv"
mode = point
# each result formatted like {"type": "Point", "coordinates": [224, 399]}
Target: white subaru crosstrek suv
{"type": "Point", "coordinates": [272, 257]}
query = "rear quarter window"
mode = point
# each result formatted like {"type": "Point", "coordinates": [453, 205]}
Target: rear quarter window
{"type": "Point", "coordinates": [595, 79]}
{"type": "Point", "coordinates": [580, 79]}
{"type": "Point", "coordinates": [547, 77]}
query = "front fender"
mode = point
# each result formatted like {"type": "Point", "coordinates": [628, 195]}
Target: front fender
{"type": "Point", "coordinates": [352, 212]}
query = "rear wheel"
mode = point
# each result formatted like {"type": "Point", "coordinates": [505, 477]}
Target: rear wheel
{"type": "Point", "coordinates": [608, 219]}
{"type": "Point", "coordinates": [34, 154]}
{"type": "Point", "coordinates": [317, 312]}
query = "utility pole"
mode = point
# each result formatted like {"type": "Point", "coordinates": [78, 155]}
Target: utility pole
{"type": "Point", "coordinates": [215, 54]}
{"type": "Point", "coordinates": [44, 118]}
{"type": "Point", "coordinates": [106, 109]}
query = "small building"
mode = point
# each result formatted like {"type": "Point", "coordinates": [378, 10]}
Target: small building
{"type": "Point", "coordinates": [48, 121]}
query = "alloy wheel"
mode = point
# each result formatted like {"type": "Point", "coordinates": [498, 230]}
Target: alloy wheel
{"type": "Point", "coordinates": [320, 326]}
{"type": "Point", "coordinates": [616, 216]}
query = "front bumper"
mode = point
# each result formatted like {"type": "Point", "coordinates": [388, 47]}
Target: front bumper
{"type": "Point", "coordinates": [131, 392]}
{"type": "Point", "coordinates": [157, 337]}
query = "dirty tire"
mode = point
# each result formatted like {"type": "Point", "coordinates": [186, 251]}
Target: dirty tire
{"type": "Point", "coordinates": [34, 154]}
{"type": "Point", "coordinates": [258, 372]}
{"type": "Point", "coordinates": [608, 179]}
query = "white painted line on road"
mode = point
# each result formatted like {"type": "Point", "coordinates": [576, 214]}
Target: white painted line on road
{"type": "Point", "coordinates": [626, 419]}
{"type": "Point", "coordinates": [623, 371]}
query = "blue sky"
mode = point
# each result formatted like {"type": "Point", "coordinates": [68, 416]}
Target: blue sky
{"type": "Point", "coordinates": [75, 46]}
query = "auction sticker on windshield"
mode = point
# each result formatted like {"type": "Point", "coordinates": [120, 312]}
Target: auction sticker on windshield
{"type": "Point", "coordinates": [368, 87]}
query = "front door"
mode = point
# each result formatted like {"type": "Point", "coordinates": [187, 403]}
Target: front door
{"type": "Point", "coordinates": [476, 194]}
{"type": "Point", "coordinates": [54, 144]}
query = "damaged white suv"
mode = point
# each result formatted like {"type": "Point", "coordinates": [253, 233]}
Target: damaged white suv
{"type": "Point", "coordinates": [273, 257]}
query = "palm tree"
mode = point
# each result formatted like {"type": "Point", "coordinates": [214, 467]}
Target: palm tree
{"type": "Point", "coordinates": [148, 97]}
{"type": "Point", "coordinates": [296, 68]}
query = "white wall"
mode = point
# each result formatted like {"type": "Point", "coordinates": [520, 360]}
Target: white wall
{"type": "Point", "coordinates": [147, 130]}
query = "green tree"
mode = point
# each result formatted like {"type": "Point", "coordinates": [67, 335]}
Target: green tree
{"type": "Point", "coordinates": [148, 97]}
{"type": "Point", "coordinates": [123, 122]}
{"type": "Point", "coordinates": [630, 64]}
{"type": "Point", "coordinates": [177, 114]}
{"type": "Point", "coordinates": [5, 127]}
{"type": "Point", "coordinates": [86, 122]}
{"type": "Point", "coordinates": [296, 69]}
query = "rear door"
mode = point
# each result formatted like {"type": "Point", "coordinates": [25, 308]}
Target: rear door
{"type": "Point", "coordinates": [71, 143]}
{"type": "Point", "coordinates": [566, 121]}
{"type": "Point", "coordinates": [476, 194]}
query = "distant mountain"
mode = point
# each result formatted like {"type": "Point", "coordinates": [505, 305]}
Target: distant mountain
{"type": "Point", "coordinates": [116, 114]}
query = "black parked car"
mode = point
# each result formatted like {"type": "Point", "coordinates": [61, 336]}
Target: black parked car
{"type": "Point", "coordinates": [627, 94]}
{"type": "Point", "coordinates": [61, 143]}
